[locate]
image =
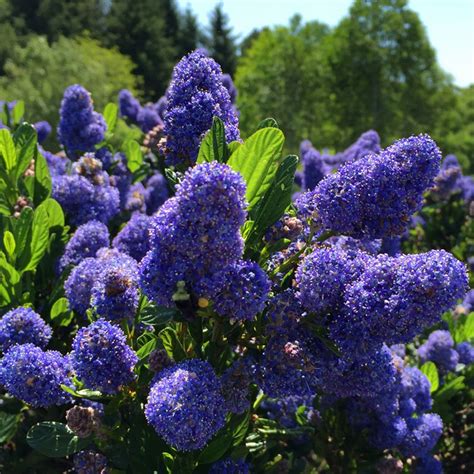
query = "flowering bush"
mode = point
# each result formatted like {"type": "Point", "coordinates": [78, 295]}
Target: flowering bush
{"type": "Point", "coordinates": [173, 306]}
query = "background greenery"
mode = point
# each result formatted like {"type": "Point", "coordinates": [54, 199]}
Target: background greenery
{"type": "Point", "coordinates": [375, 69]}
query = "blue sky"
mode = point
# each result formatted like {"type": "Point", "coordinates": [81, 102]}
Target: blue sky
{"type": "Point", "coordinates": [450, 23]}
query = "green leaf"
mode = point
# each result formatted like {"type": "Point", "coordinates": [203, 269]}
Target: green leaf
{"type": "Point", "coordinates": [134, 155]}
{"type": "Point", "coordinates": [213, 146]}
{"type": "Point", "coordinates": [268, 123]}
{"type": "Point", "coordinates": [8, 426]}
{"type": "Point", "coordinates": [9, 243]}
{"type": "Point", "coordinates": [18, 112]}
{"type": "Point", "coordinates": [84, 393]}
{"type": "Point", "coordinates": [171, 343]}
{"type": "Point", "coordinates": [216, 448]}
{"type": "Point", "coordinates": [257, 161]}
{"type": "Point", "coordinates": [25, 139]}
{"type": "Point", "coordinates": [469, 327]}
{"type": "Point", "coordinates": [39, 238]}
{"type": "Point", "coordinates": [450, 389]}
{"type": "Point", "coordinates": [154, 315]}
{"type": "Point", "coordinates": [9, 277]}
{"type": "Point", "coordinates": [60, 312]}
{"type": "Point", "coordinates": [7, 150]}
{"type": "Point", "coordinates": [234, 146]}
{"type": "Point", "coordinates": [148, 348]}
{"type": "Point", "coordinates": [23, 228]}
{"type": "Point", "coordinates": [54, 439]}
{"type": "Point", "coordinates": [239, 425]}
{"type": "Point", "coordinates": [431, 372]}
{"type": "Point", "coordinates": [110, 116]}
{"type": "Point", "coordinates": [168, 461]}
{"type": "Point", "coordinates": [54, 211]}
{"type": "Point", "coordinates": [277, 198]}
{"type": "Point", "coordinates": [42, 180]}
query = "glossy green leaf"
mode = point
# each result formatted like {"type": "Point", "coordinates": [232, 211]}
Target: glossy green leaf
{"type": "Point", "coordinates": [268, 122]}
{"type": "Point", "coordinates": [275, 201]}
{"type": "Point", "coordinates": [39, 238]}
{"type": "Point", "coordinates": [216, 448]}
{"type": "Point", "coordinates": [54, 212]}
{"type": "Point", "coordinates": [18, 112]}
{"type": "Point", "coordinates": [172, 345]}
{"type": "Point", "coordinates": [431, 372]}
{"type": "Point", "coordinates": [469, 327]}
{"type": "Point", "coordinates": [213, 146]}
{"type": "Point", "coordinates": [148, 348]}
{"type": "Point", "coordinates": [110, 116]}
{"type": "Point", "coordinates": [450, 389]}
{"type": "Point", "coordinates": [239, 425]}
{"type": "Point", "coordinates": [7, 150]}
{"type": "Point", "coordinates": [54, 439]}
{"type": "Point", "coordinates": [42, 180]}
{"type": "Point", "coordinates": [25, 140]}
{"type": "Point", "coordinates": [9, 243]}
{"type": "Point", "coordinates": [8, 426]}
{"type": "Point", "coordinates": [257, 161]}
{"type": "Point", "coordinates": [134, 155]}
{"type": "Point", "coordinates": [22, 229]}
{"type": "Point", "coordinates": [60, 313]}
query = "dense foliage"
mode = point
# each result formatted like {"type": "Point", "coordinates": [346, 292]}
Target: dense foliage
{"type": "Point", "coordinates": [375, 69]}
{"type": "Point", "coordinates": [188, 301]}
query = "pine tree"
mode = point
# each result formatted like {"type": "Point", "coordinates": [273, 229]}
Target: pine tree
{"type": "Point", "coordinates": [190, 34]}
{"type": "Point", "coordinates": [221, 41]}
{"type": "Point", "coordinates": [138, 29]}
{"type": "Point", "coordinates": [55, 18]}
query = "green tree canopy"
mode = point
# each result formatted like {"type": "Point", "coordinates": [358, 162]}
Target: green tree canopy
{"type": "Point", "coordinates": [280, 76]}
{"type": "Point", "coordinates": [190, 34]}
{"type": "Point", "coordinates": [55, 18]}
{"type": "Point", "coordinates": [138, 28]}
{"type": "Point", "coordinates": [221, 42]}
{"type": "Point", "coordinates": [382, 71]}
{"type": "Point", "coordinates": [39, 73]}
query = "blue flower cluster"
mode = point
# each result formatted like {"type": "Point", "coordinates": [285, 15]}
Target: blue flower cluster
{"type": "Point", "coordinates": [90, 462]}
{"type": "Point", "coordinates": [101, 357]}
{"type": "Point", "coordinates": [395, 414]}
{"type": "Point", "coordinates": [376, 196]}
{"type": "Point", "coordinates": [195, 95]}
{"type": "Point", "coordinates": [196, 235]}
{"type": "Point", "coordinates": [395, 298]}
{"type": "Point", "coordinates": [85, 242]}
{"type": "Point", "coordinates": [316, 165]}
{"type": "Point", "coordinates": [156, 192]}
{"type": "Point", "coordinates": [235, 385]}
{"type": "Point", "coordinates": [22, 326]}
{"type": "Point", "coordinates": [86, 194]}
{"type": "Point", "coordinates": [90, 280]}
{"type": "Point", "coordinates": [146, 117]}
{"type": "Point", "coordinates": [43, 129]}
{"type": "Point", "coordinates": [115, 291]}
{"type": "Point", "coordinates": [185, 405]}
{"type": "Point", "coordinates": [35, 376]}
{"type": "Point", "coordinates": [323, 276]}
{"type": "Point", "coordinates": [291, 362]}
{"type": "Point", "coordinates": [135, 201]}
{"type": "Point", "coordinates": [80, 128]}
{"type": "Point", "coordinates": [439, 348]}
{"type": "Point", "coordinates": [230, 466]}
{"type": "Point", "coordinates": [133, 239]}
{"type": "Point", "coordinates": [239, 291]}
{"type": "Point", "coordinates": [465, 351]}
{"type": "Point", "coordinates": [450, 181]}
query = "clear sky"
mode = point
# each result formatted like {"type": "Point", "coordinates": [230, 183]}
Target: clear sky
{"type": "Point", "coordinates": [450, 23]}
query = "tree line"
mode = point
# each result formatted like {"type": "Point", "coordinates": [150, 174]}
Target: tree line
{"type": "Point", "coordinates": [375, 69]}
